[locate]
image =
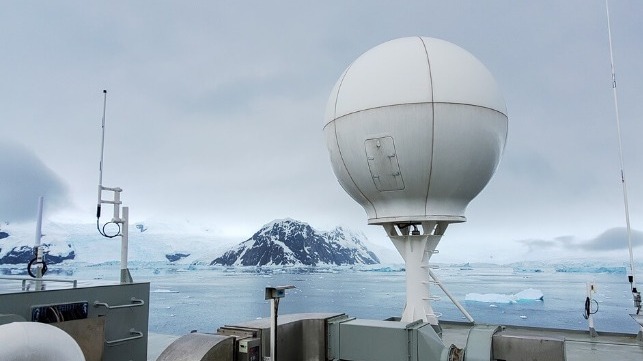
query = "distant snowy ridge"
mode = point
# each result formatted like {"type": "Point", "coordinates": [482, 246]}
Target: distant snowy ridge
{"type": "Point", "coordinates": [82, 244]}
{"type": "Point", "coordinates": [292, 242]}
{"type": "Point", "coordinates": [181, 242]}
{"type": "Point", "coordinates": [597, 265]}
{"type": "Point", "coordinates": [13, 249]}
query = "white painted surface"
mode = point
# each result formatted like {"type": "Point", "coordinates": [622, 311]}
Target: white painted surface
{"type": "Point", "coordinates": [441, 122]}
{"type": "Point", "coordinates": [34, 341]}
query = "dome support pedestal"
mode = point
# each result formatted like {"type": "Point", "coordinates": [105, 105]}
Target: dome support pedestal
{"type": "Point", "coordinates": [416, 249]}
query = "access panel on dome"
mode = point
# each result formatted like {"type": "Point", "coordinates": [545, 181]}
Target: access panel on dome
{"type": "Point", "coordinates": [383, 164]}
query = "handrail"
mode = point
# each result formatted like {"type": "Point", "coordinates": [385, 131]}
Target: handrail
{"type": "Point", "coordinates": [137, 335]}
{"type": "Point", "coordinates": [136, 302]}
{"type": "Point", "coordinates": [25, 279]}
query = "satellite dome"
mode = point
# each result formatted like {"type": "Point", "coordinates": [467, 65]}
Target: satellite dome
{"type": "Point", "coordinates": [415, 128]}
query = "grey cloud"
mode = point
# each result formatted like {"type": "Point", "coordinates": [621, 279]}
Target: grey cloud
{"type": "Point", "coordinates": [217, 113]}
{"type": "Point", "coordinates": [539, 244]}
{"type": "Point", "coordinates": [612, 239]}
{"type": "Point", "coordinates": [565, 241]}
{"type": "Point", "coordinates": [24, 178]}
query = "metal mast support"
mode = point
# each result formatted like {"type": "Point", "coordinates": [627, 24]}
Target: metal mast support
{"type": "Point", "coordinates": [457, 304]}
{"type": "Point", "coordinates": [591, 289]}
{"type": "Point", "coordinates": [274, 294]}
{"type": "Point", "coordinates": [126, 277]}
{"type": "Point", "coordinates": [632, 276]}
{"type": "Point", "coordinates": [416, 249]}
{"type": "Point", "coordinates": [38, 246]}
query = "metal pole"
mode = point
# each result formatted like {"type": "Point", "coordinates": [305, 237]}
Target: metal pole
{"type": "Point", "coordinates": [39, 222]}
{"type": "Point", "coordinates": [117, 206]}
{"type": "Point", "coordinates": [274, 302]}
{"type": "Point", "coordinates": [620, 150]}
{"type": "Point", "coordinates": [590, 317]}
{"type": "Point", "coordinates": [38, 245]}
{"type": "Point", "coordinates": [453, 299]}
{"type": "Point", "coordinates": [126, 277]}
{"type": "Point", "coordinates": [102, 151]}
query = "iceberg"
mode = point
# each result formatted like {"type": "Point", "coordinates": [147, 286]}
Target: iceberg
{"type": "Point", "coordinates": [163, 290]}
{"type": "Point", "coordinates": [529, 294]}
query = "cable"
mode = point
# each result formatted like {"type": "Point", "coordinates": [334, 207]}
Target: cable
{"type": "Point", "coordinates": [102, 231]}
{"type": "Point", "coordinates": [34, 262]}
{"type": "Point", "coordinates": [55, 313]}
{"type": "Point", "coordinates": [588, 310]}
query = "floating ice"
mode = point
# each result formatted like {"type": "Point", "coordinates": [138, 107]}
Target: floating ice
{"type": "Point", "coordinates": [590, 269]}
{"type": "Point", "coordinates": [529, 294]}
{"type": "Point", "coordinates": [489, 298]}
{"type": "Point", "coordinates": [163, 290]}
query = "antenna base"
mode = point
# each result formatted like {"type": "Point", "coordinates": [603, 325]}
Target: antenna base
{"type": "Point", "coordinates": [416, 249]}
{"type": "Point", "coordinates": [126, 277]}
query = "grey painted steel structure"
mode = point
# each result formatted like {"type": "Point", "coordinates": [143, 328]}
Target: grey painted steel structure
{"type": "Point", "coordinates": [336, 337]}
{"type": "Point", "coordinates": [120, 311]}
{"type": "Point", "coordinates": [199, 347]}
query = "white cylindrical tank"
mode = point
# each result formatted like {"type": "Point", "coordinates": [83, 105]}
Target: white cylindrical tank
{"type": "Point", "coordinates": [415, 128]}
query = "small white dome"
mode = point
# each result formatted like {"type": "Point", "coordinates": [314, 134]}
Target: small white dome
{"type": "Point", "coordinates": [415, 128]}
{"type": "Point", "coordinates": [34, 341]}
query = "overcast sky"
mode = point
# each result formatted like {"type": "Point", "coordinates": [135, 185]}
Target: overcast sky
{"type": "Point", "coordinates": [215, 111]}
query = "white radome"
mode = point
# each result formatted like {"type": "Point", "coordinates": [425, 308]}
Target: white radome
{"type": "Point", "coordinates": [415, 128]}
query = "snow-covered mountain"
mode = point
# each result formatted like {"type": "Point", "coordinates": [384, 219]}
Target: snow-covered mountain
{"type": "Point", "coordinates": [14, 249]}
{"type": "Point", "coordinates": [186, 243]}
{"type": "Point", "coordinates": [154, 241]}
{"type": "Point", "coordinates": [291, 242]}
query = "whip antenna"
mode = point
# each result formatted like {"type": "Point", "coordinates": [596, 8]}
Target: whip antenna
{"type": "Point", "coordinates": [121, 222]}
{"type": "Point", "coordinates": [636, 294]}
{"type": "Point", "coordinates": [102, 151]}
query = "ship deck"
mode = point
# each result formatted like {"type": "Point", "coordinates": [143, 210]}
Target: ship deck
{"type": "Point", "coordinates": [579, 345]}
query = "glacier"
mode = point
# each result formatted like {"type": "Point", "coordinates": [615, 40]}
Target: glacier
{"type": "Point", "coordinates": [81, 244]}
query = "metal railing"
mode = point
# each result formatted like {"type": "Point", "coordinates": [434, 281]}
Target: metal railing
{"type": "Point", "coordinates": [25, 279]}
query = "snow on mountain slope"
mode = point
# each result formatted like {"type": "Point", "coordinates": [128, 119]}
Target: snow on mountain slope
{"type": "Point", "coordinates": [16, 246]}
{"type": "Point", "coordinates": [291, 242]}
{"type": "Point", "coordinates": [148, 242]}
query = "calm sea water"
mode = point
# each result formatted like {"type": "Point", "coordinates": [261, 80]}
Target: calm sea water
{"type": "Point", "coordinates": [201, 298]}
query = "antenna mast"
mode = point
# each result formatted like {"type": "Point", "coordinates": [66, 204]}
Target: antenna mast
{"type": "Point", "coordinates": [102, 152]}
{"type": "Point", "coordinates": [631, 276]}
{"type": "Point", "coordinates": [121, 222]}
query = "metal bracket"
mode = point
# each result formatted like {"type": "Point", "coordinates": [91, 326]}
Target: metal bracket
{"type": "Point", "coordinates": [137, 335]}
{"type": "Point", "coordinates": [135, 303]}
